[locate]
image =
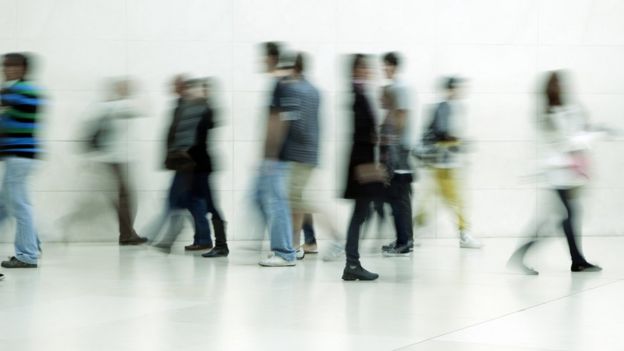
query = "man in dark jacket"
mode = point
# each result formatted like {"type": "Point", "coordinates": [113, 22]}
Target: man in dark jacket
{"type": "Point", "coordinates": [187, 155]}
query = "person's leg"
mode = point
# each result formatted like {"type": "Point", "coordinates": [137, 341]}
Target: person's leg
{"type": "Point", "coordinates": [279, 217]}
{"type": "Point", "coordinates": [447, 183]}
{"type": "Point", "coordinates": [297, 222]}
{"type": "Point", "coordinates": [122, 205]}
{"type": "Point", "coordinates": [566, 197]}
{"type": "Point", "coordinates": [198, 207]}
{"type": "Point", "coordinates": [424, 200]}
{"type": "Point", "coordinates": [178, 200]}
{"type": "Point", "coordinates": [218, 223]}
{"type": "Point", "coordinates": [18, 171]}
{"type": "Point", "coordinates": [401, 204]}
{"type": "Point", "coordinates": [353, 269]}
{"type": "Point", "coordinates": [299, 176]}
{"type": "Point", "coordinates": [360, 212]}
{"type": "Point", "coordinates": [308, 229]}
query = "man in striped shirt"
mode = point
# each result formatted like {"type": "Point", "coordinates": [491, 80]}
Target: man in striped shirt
{"type": "Point", "coordinates": [20, 102]}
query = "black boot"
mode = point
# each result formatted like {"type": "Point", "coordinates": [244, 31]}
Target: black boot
{"type": "Point", "coordinates": [219, 230]}
{"type": "Point", "coordinates": [585, 267]}
{"type": "Point", "coordinates": [356, 272]}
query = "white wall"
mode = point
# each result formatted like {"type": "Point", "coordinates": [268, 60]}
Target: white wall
{"type": "Point", "coordinates": [501, 46]}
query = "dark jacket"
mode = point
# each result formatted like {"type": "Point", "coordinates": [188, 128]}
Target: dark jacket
{"type": "Point", "coordinates": [189, 132]}
{"type": "Point", "coordinates": [363, 148]}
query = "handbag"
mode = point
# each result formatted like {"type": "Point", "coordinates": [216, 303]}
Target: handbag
{"type": "Point", "coordinates": [371, 173]}
{"type": "Point", "coordinates": [179, 160]}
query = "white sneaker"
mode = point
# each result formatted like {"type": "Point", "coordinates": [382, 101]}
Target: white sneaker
{"type": "Point", "coordinates": [466, 241]}
{"type": "Point", "coordinates": [300, 253]}
{"type": "Point", "coordinates": [336, 252]}
{"type": "Point", "coordinates": [274, 260]}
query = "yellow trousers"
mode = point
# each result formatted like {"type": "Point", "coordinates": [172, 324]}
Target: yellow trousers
{"type": "Point", "coordinates": [447, 186]}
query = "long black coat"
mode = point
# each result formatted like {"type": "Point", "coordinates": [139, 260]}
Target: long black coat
{"type": "Point", "coordinates": [363, 148]}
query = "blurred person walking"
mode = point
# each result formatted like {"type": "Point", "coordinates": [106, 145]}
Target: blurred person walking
{"type": "Point", "coordinates": [203, 199]}
{"type": "Point", "coordinates": [271, 184]}
{"type": "Point", "coordinates": [365, 177]}
{"type": "Point", "coordinates": [565, 134]}
{"type": "Point", "coordinates": [394, 154]}
{"type": "Point", "coordinates": [110, 145]}
{"type": "Point", "coordinates": [444, 143]}
{"type": "Point", "coordinates": [187, 156]}
{"type": "Point", "coordinates": [299, 101]}
{"type": "Point", "coordinates": [21, 101]}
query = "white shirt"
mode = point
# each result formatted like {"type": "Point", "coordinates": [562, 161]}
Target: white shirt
{"type": "Point", "coordinates": [565, 143]}
{"type": "Point", "coordinates": [119, 122]}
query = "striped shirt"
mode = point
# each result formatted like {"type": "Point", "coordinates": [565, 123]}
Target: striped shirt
{"type": "Point", "coordinates": [19, 119]}
{"type": "Point", "coordinates": [298, 103]}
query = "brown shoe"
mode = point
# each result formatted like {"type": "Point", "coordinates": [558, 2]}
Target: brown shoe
{"type": "Point", "coordinates": [197, 247]}
{"type": "Point", "coordinates": [134, 240]}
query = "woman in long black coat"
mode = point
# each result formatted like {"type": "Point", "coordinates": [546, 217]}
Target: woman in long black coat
{"type": "Point", "coordinates": [363, 191]}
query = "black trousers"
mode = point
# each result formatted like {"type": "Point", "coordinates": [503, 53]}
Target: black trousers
{"type": "Point", "coordinates": [568, 225]}
{"type": "Point", "coordinates": [566, 196]}
{"type": "Point", "coordinates": [360, 213]}
{"type": "Point", "coordinates": [400, 200]}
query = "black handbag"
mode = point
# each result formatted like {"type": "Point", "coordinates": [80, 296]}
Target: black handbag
{"type": "Point", "coordinates": [179, 160]}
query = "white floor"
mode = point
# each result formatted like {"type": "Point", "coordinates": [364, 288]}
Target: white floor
{"type": "Point", "coordinates": [102, 297]}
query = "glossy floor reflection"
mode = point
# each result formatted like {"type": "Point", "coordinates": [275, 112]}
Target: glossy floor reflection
{"type": "Point", "coordinates": [102, 297]}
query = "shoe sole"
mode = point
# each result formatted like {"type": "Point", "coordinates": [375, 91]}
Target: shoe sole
{"type": "Point", "coordinates": [277, 265]}
{"type": "Point", "coordinates": [216, 256]}
{"type": "Point", "coordinates": [470, 247]}
{"type": "Point", "coordinates": [12, 267]}
{"type": "Point", "coordinates": [132, 243]}
{"type": "Point", "coordinates": [351, 278]}
{"type": "Point", "coordinates": [386, 254]}
{"type": "Point", "coordinates": [588, 270]}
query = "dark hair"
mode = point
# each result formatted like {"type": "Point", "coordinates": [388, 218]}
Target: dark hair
{"type": "Point", "coordinates": [451, 83]}
{"type": "Point", "coordinates": [19, 59]}
{"type": "Point", "coordinates": [553, 91]}
{"type": "Point", "coordinates": [300, 62]}
{"type": "Point", "coordinates": [391, 58]}
{"type": "Point", "coordinates": [272, 49]}
{"type": "Point", "coordinates": [357, 60]}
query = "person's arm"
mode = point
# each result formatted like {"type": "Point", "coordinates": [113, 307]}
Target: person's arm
{"type": "Point", "coordinates": [277, 123]}
{"type": "Point", "coordinates": [275, 135]}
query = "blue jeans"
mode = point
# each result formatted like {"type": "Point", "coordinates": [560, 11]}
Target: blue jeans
{"type": "Point", "coordinates": [15, 202]}
{"type": "Point", "coordinates": [202, 203]}
{"type": "Point", "coordinates": [178, 201]}
{"type": "Point", "coordinates": [272, 200]}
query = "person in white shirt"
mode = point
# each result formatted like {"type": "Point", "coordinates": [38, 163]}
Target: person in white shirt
{"type": "Point", "coordinates": [565, 134]}
{"type": "Point", "coordinates": [116, 117]}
